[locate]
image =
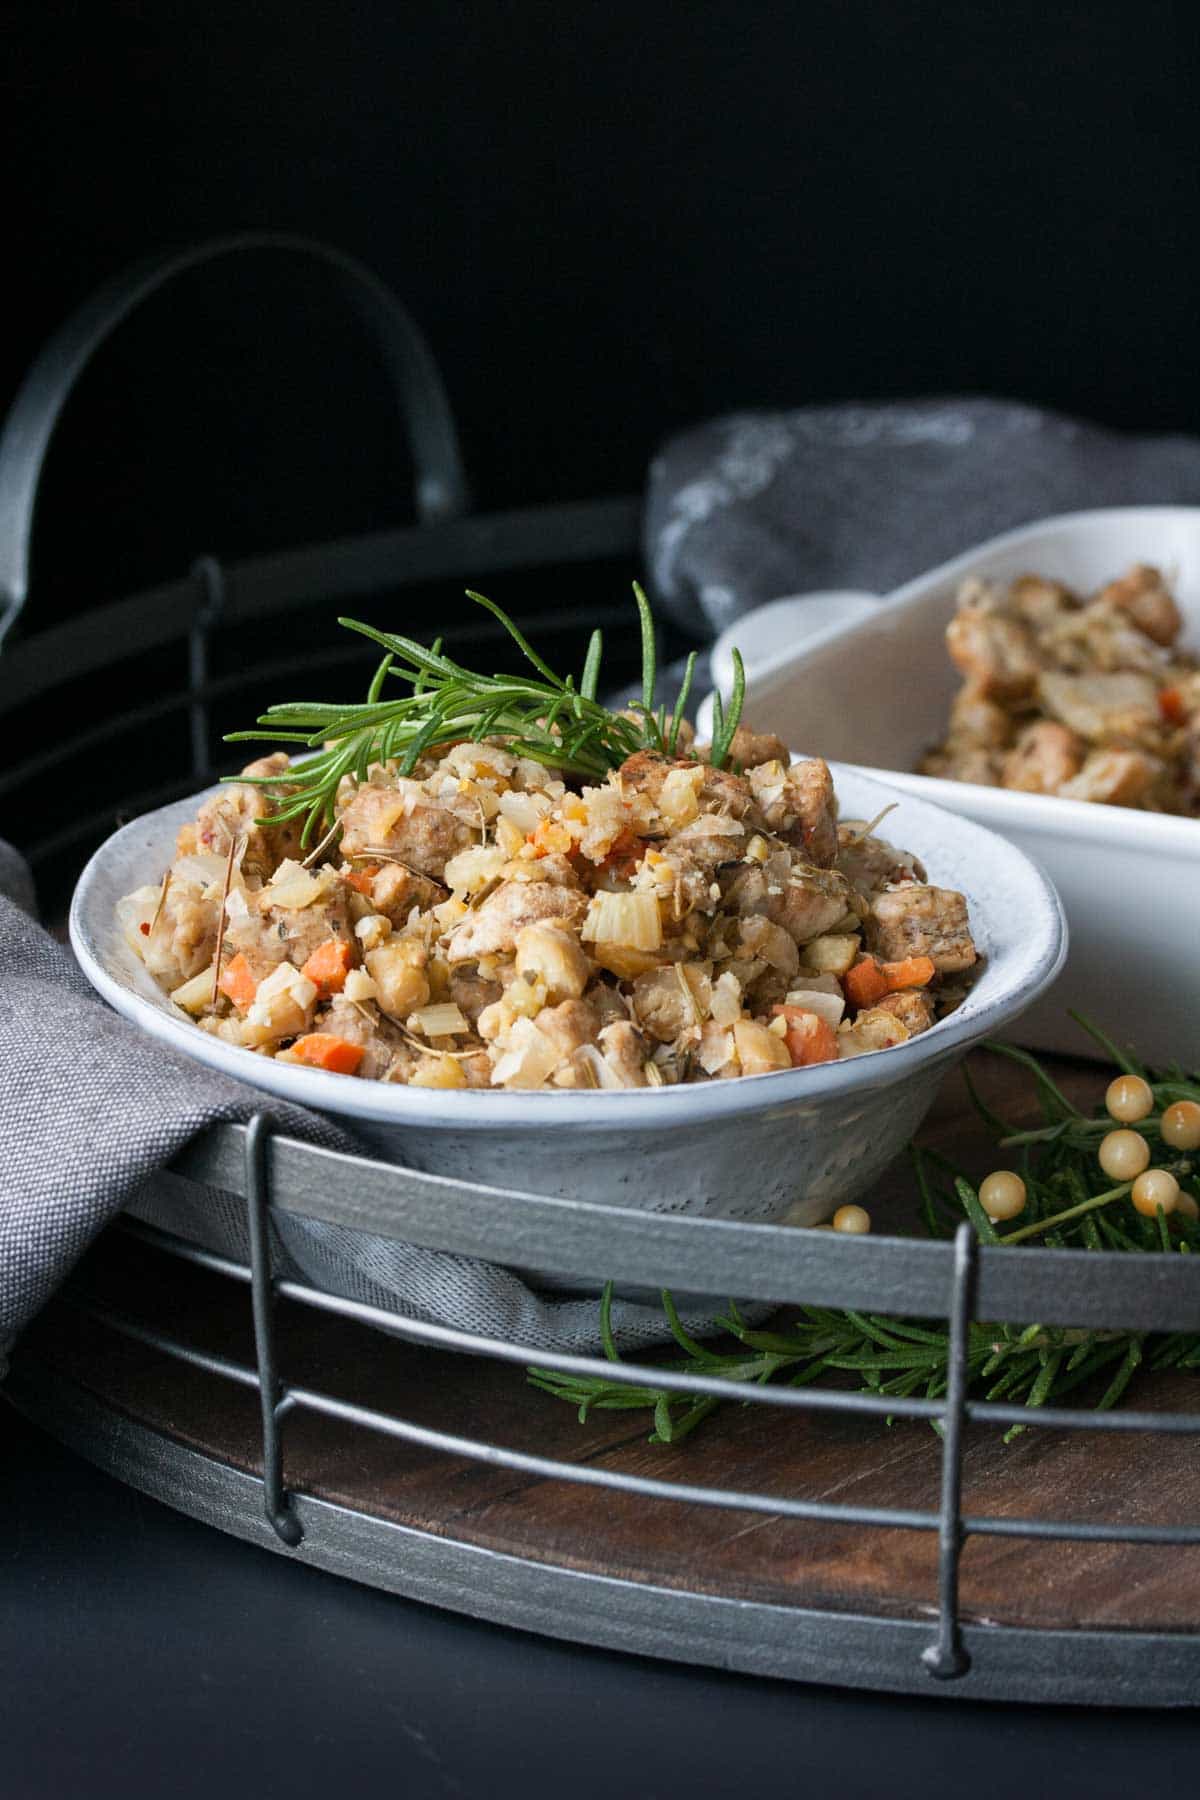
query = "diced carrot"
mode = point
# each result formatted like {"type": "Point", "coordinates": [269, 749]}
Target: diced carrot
{"type": "Point", "coordinates": [1171, 706]}
{"type": "Point", "coordinates": [328, 967]}
{"type": "Point", "coordinates": [323, 1050]}
{"type": "Point", "coordinates": [238, 982]}
{"type": "Point", "coordinates": [362, 878]}
{"type": "Point", "coordinates": [549, 836]}
{"type": "Point", "coordinates": [913, 972]}
{"type": "Point", "coordinates": [865, 983]}
{"type": "Point", "coordinates": [809, 1037]}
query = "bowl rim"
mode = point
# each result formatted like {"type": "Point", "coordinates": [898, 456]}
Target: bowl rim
{"type": "Point", "coordinates": [1048, 814]}
{"type": "Point", "coordinates": [1035, 963]}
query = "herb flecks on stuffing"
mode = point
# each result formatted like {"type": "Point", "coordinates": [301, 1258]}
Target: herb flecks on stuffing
{"type": "Point", "coordinates": [476, 917]}
{"type": "Point", "coordinates": [1090, 699]}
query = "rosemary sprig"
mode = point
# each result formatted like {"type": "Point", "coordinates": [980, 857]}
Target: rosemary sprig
{"type": "Point", "coordinates": [550, 718]}
{"type": "Point", "coordinates": [1071, 1203]}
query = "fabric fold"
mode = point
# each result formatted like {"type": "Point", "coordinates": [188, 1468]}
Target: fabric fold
{"type": "Point", "coordinates": [756, 505]}
{"type": "Point", "coordinates": [91, 1113]}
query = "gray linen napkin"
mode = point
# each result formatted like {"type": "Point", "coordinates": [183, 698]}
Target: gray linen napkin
{"type": "Point", "coordinates": [752, 506]}
{"type": "Point", "coordinates": [91, 1111]}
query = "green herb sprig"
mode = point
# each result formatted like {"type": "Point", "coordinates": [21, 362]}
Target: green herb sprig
{"type": "Point", "coordinates": [1070, 1204]}
{"type": "Point", "coordinates": [550, 718]}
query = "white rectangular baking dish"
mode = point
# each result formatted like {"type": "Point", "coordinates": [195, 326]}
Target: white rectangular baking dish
{"type": "Point", "coordinates": [876, 691]}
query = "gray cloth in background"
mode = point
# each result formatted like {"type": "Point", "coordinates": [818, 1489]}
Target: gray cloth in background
{"type": "Point", "coordinates": [92, 1110]}
{"type": "Point", "coordinates": [749, 507]}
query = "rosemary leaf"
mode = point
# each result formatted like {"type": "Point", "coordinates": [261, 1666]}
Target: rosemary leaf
{"type": "Point", "coordinates": [1070, 1202]}
{"type": "Point", "coordinates": [549, 718]}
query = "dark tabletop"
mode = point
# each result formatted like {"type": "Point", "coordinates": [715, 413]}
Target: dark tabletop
{"type": "Point", "coordinates": [144, 1654]}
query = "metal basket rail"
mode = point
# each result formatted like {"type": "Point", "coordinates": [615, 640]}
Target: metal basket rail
{"type": "Point", "coordinates": [192, 612]}
{"type": "Point", "coordinates": [215, 600]}
{"type": "Point", "coordinates": [959, 1281]}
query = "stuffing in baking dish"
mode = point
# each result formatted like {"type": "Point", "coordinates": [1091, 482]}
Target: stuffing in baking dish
{"type": "Point", "coordinates": [571, 898]}
{"type": "Point", "coordinates": [1086, 697]}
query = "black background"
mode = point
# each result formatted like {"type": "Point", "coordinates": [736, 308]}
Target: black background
{"type": "Point", "coordinates": [145, 1655]}
{"type": "Point", "coordinates": [611, 219]}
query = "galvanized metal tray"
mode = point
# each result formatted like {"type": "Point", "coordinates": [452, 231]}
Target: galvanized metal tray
{"type": "Point", "coordinates": [799, 1536]}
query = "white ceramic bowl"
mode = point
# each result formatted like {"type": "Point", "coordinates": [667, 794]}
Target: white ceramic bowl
{"type": "Point", "coordinates": [878, 685]}
{"type": "Point", "coordinates": [797, 1143]}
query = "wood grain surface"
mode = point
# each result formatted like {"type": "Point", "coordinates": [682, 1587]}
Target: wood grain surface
{"type": "Point", "coordinates": [1132, 1477]}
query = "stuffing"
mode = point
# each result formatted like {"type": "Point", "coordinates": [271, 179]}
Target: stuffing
{"type": "Point", "coordinates": [643, 782]}
{"type": "Point", "coordinates": [240, 813]}
{"type": "Point", "coordinates": [748, 748]}
{"type": "Point", "coordinates": [996, 654]}
{"type": "Point", "coordinates": [625, 1051]}
{"type": "Point", "coordinates": [1045, 755]}
{"type": "Point", "coordinates": [492, 928]}
{"type": "Point", "coordinates": [180, 935]}
{"type": "Point", "coordinates": [804, 900]}
{"type": "Point", "coordinates": [870, 863]}
{"type": "Point", "coordinates": [400, 819]}
{"type": "Point", "coordinates": [798, 804]}
{"type": "Point", "coordinates": [1115, 778]}
{"type": "Point", "coordinates": [1144, 595]}
{"type": "Point", "coordinates": [1121, 704]}
{"type": "Point", "coordinates": [487, 922]}
{"type": "Point", "coordinates": [551, 955]}
{"type": "Point", "coordinates": [913, 920]}
{"type": "Point", "coordinates": [1090, 698]}
{"type": "Point", "coordinates": [912, 1006]}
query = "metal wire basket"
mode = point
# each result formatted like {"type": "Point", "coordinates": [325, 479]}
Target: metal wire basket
{"type": "Point", "coordinates": [958, 1281]}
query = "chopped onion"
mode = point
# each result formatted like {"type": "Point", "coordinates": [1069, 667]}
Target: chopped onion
{"type": "Point", "coordinates": [632, 920]}
{"type": "Point", "coordinates": [194, 995]}
{"type": "Point", "coordinates": [472, 869]}
{"type": "Point", "coordinates": [443, 1020]}
{"type": "Point", "coordinates": [236, 909]}
{"type": "Point", "coordinates": [716, 1049]}
{"type": "Point", "coordinates": [589, 1057]}
{"type": "Point", "coordinates": [528, 1058]}
{"type": "Point", "coordinates": [508, 838]}
{"type": "Point", "coordinates": [293, 888]}
{"type": "Point", "coordinates": [449, 914]}
{"type": "Point", "coordinates": [808, 983]}
{"type": "Point", "coordinates": [831, 954]}
{"type": "Point", "coordinates": [286, 979]}
{"type": "Point", "coordinates": [829, 1007]}
{"type": "Point", "coordinates": [360, 986]}
{"type": "Point", "coordinates": [373, 930]}
{"type": "Point", "coordinates": [713, 825]}
{"type": "Point", "coordinates": [726, 1005]}
{"type": "Point", "coordinates": [484, 762]}
{"type": "Point", "coordinates": [281, 1006]}
{"type": "Point", "coordinates": [202, 867]}
{"type": "Point", "coordinates": [134, 911]}
{"type": "Point", "coordinates": [524, 810]}
{"type": "Point", "coordinates": [677, 802]}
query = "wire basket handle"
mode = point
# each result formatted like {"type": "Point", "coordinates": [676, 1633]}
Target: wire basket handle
{"type": "Point", "coordinates": [440, 482]}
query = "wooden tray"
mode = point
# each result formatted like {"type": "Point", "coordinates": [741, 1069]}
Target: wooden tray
{"type": "Point", "coordinates": [1031, 1586]}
